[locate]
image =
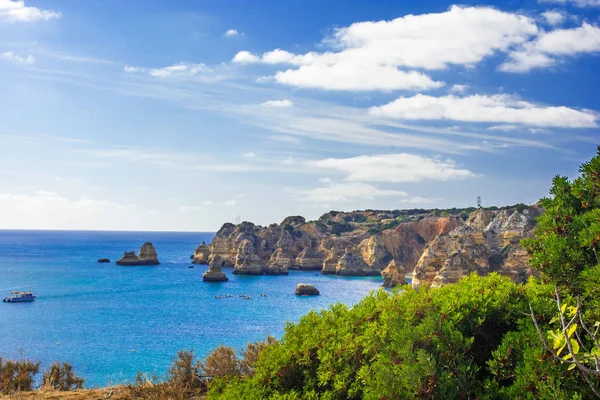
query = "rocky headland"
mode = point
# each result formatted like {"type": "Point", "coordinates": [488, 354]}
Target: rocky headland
{"type": "Point", "coordinates": [146, 256]}
{"type": "Point", "coordinates": [435, 247]}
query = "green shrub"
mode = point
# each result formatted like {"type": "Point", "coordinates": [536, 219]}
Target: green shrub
{"type": "Point", "coordinates": [61, 377]}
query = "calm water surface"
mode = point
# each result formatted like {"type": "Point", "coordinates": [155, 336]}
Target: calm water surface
{"type": "Point", "coordinates": [93, 315]}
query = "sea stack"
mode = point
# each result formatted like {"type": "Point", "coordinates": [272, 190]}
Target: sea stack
{"type": "Point", "coordinates": [201, 254]}
{"type": "Point", "coordinates": [146, 256]}
{"type": "Point", "coordinates": [304, 289]}
{"type": "Point", "coordinates": [214, 273]}
{"type": "Point", "coordinates": [393, 276]}
{"type": "Point", "coordinates": [103, 260]}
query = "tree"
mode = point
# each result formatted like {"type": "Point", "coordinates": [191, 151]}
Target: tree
{"type": "Point", "coordinates": [567, 237]}
{"type": "Point", "coordinates": [565, 249]}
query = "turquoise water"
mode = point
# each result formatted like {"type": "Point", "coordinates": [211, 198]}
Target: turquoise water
{"type": "Point", "coordinates": [93, 315]}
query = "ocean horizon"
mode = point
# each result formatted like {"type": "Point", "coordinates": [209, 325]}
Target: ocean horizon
{"type": "Point", "coordinates": [111, 322]}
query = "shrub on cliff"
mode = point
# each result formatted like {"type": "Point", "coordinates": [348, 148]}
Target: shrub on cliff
{"type": "Point", "coordinates": [17, 376]}
{"type": "Point", "coordinates": [61, 377]}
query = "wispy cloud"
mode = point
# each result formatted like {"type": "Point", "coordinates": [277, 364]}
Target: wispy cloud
{"type": "Point", "coordinates": [285, 103]}
{"type": "Point", "coordinates": [17, 59]}
{"type": "Point", "coordinates": [344, 192]}
{"type": "Point", "coordinates": [401, 167]}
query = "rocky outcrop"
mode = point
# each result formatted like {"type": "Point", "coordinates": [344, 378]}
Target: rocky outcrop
{"type": "Point", "coordinates": [365, 242]}
{"type": "Point", "coordinates": [487, 242]}
{"type": "Point", "coordinates": [103, 260]}
{"type": "Point", "coordinates": [393, 275]}
{"type": "Point", "coordinates": [146, 256]}
{"type": "Point", "coordinates": [201, 254]}
{"type": "Point", "coordinates": [214, 272]}
{"type": "Point", "coordinates": [304, 289]}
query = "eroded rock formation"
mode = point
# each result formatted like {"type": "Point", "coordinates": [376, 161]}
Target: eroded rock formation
{"type": "Point", "coordinates": [201, 254]}
{"type": "Point", "coordinates": [437, 247]}
{"type": "Point", "coordinates": [146, 256]}
{"type": "Point", "coordinates": [393, 275]}
{"type": "Point", "coordinates": [487, 242]}
{"type": "Point", "coordinates": [214, 272]}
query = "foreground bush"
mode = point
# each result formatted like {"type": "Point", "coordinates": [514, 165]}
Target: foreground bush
{"type": "Point", "coordinates": [17, 376]}
{"type": "Point", "coordinates": [61, 377]}
{"type": "Point", "coordinates": [474, 339]}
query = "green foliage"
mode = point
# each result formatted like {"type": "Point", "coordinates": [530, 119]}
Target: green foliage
{"type": "Point", "coordinates": [17, 376]}
{"type": "Point", "coordinates": [337, 228]}
{"type": "Point", "coordinates": [469, 340]}
{"type": "Point", "coordinates": [567, 237]}
{"type": "Point", "coordinates": [61, 377]}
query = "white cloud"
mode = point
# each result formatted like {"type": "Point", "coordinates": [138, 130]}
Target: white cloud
{"type": "Point", "coordinates": [324, 180]}
{"type": "Point", "coordinates": [13, 11]}
{"type": "Point", "coordinates": [132, 69]}
{"type": "Point", "coordinates": [245, 57]}
{"type": "Point", "coordinates": [552, 47]}
{"type": "Point", "coordinates": [354, 77]}
{"type": "Point", "coordinates": [500, 108]}
{"type": "Point", "coordinates": [371, 53]}
{"type": "Point", "coordinates": [578, 3]}
{"type": "Point", "coordinates": [181, 69]}
{"type": "Point", "coordinates": [12, 57]}
{"type": "Point", "coordinates": [232, 33]}
{"type": "Point", "coordinates": [345, 192]}
{"type": "Point", "coordinates": [459, 88]}
{"type": "Point", "coordinates": [504, 128]}
{"type": "Point", "coordinates": [285, 103]}
{"type": "Point", "coordinates": [249, 155]}
{"type": "Point", "coordinates": [207, 203]}
{"type": "Point", "coordinates": [401, 167]}
{"type": "Point", "coordinates": [231, 202]}
{"type": "Point", "coordinates": [554, 17]}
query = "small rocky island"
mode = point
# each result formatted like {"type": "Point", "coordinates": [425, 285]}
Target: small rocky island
{"type": "Point", "coordinates": [146, 256]}
{"type": "Point", "coordinates": [435, 247]}
{"type": "Point", "coordinates": [304, 289]}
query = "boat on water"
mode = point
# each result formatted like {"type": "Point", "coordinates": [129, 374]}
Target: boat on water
{"type": "Point", "coordinates": [20, 297]}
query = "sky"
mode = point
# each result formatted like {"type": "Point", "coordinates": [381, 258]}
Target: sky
{"type": "Point", "coordinates": [181, 115]}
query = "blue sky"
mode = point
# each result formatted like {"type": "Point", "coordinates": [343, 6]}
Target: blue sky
{"type": "Point", "coordinates": [182, 115]}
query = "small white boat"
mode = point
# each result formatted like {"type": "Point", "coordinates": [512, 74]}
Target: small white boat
{"type": "Point", "coordinates": [19, 297]}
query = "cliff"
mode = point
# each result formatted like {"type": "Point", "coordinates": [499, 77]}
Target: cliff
{"type": "Point", "coordinates": [359, 243]}
{"type": "Point", "coordinates": [487, 242]}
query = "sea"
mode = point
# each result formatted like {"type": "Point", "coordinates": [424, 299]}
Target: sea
{"type": "Point", "coordinates": [110, 322]}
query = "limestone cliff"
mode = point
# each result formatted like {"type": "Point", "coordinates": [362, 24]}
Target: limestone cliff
{"type": "Point", "coordinates": [356, 243]}
{"type": "Point", "coordinates": [437, 247]}
{"type": "Point", "coordinates": [488, 241]}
